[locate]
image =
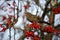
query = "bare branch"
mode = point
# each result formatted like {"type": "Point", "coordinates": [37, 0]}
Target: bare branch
{"type": "Point", "coordinates": [45, 10]}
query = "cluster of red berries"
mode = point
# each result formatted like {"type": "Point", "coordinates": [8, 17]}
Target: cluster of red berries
{"type": "Point", "coordinates": [50, 29]}
{"type": "Point", "coordinates": [8, 21]}
{"type": "Point", "coordinates": [56, 10]}
{"type": "Point", "coordinates": [31, 34]}
{"type": "Point", "coordinates": [3, 18]}
{"type": "Point", "coordinates": [3, 28]}
{"type": "Point", "coordinates": [26, 6]}
{"type": "Point", "coordinates": [35, 25]}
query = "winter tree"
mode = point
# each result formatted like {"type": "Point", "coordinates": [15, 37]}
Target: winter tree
{"type": "Point", "coordinates": [30, 20]}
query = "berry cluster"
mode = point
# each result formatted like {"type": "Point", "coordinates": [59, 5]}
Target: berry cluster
{"type": "Point", "coordinates": [56, 10]}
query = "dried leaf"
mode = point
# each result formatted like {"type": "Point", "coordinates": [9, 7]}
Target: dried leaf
{"type": "Point", "coordinates": [31, 17]}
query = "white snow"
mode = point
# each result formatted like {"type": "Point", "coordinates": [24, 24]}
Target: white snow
{"type": "Point", "coordinates": [29, 38]}
{"type": "Point", "coordinates": [17, 35]}
{"type": "Point", "coordinates": [45, 33]}
{"type": "Point", "coordinates": [35, 33]}
{"type": "Point", "coordinates": [57, 19]}
{"type": "Point", "coordinates": [1, 28]}
{"type": "Point", "coordinates": [19, 23]}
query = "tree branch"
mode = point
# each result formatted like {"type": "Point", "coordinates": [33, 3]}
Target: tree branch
{"type": "Point", "coordinates": [32, 18]}
{"type": "Point", "coordinates": [45, 10]}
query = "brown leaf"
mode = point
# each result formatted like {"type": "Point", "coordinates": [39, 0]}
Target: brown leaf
{"type": "Point", "coordinates": [31, 17]}
{"type": "Point", "coordinates": [27, 28]}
